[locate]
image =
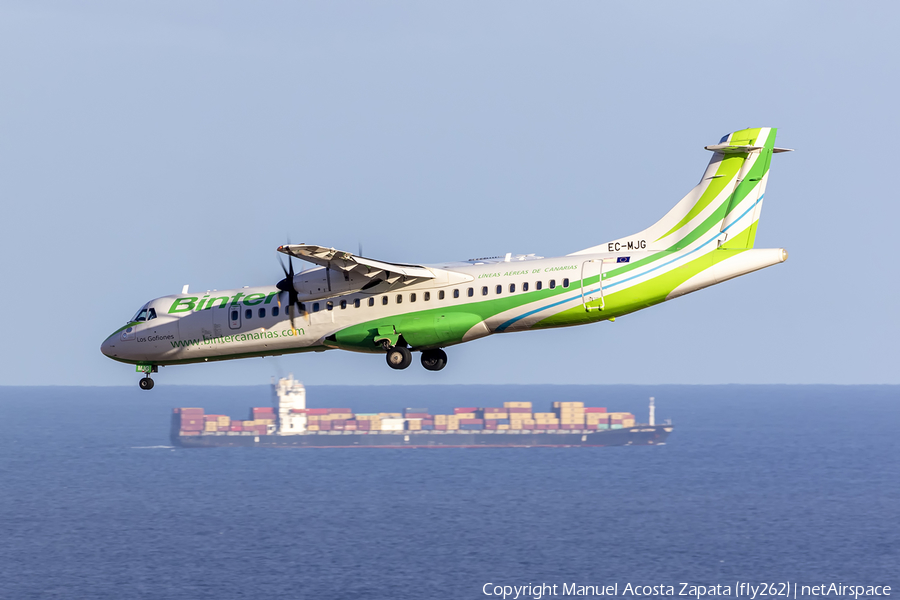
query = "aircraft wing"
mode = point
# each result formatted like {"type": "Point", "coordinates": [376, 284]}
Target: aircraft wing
{"type": "Point", "coordinates": [352, 264]}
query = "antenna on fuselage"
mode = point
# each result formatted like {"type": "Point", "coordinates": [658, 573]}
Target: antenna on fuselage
{"type": "Point", "coordinates": [184, 290]}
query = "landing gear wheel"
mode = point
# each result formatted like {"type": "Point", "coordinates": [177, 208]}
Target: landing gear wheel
{"type": "Point", "coordinates": [399, 358]}
{"type": "Point", "coordinates": [146, 383]}
{"type": "Point", "coordinates": [434, 360]}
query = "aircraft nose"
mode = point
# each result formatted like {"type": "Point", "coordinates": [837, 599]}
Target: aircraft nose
{"type": "Point", "coordinates": [107, 346]}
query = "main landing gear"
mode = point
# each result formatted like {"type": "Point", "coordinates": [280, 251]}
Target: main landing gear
{"type": "Point", "coordinates": [399, 357]}
{"type": "Point", "coordinates": [434, 360]}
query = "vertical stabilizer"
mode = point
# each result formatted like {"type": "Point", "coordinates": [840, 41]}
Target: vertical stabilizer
{"type": "Point", "coordinates": [727, 201]}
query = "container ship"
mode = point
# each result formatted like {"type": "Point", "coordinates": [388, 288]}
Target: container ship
{"type": "Point", "coordinates": [290, 423]}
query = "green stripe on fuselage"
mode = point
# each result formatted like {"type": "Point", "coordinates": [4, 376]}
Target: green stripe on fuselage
{"type": "Point", "coordinates": [642, 295]}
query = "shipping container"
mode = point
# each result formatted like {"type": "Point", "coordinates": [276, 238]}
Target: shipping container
{"type": "Point", "coordinates": [393, 424]}
{"type": "Point", "coordinates": [517, 405]}
{"type": "Point", "coordinates": [471, 426]}
{"type": "Point", "coordinates": [594, 409]}
{"type": "Point", "coordinates": [465, 410]}
{"type": "Point", "coordinates": [316, 411]}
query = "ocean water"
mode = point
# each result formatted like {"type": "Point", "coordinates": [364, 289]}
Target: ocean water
{"type": "Point", "coordinates": [797, 484]}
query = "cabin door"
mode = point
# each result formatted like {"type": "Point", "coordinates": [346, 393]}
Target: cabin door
{"type": "Point", "coordinates": [592, 284]}
{"type": "Point", "coordinates": [234, 317]}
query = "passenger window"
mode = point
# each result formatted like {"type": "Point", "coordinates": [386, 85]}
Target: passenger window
{"type": "Point", "coordinates": [384, 300]}
{"type": "Point", "coordinates": [399, 298]}
{"type": "Point", "coordinates": [262, 313]}
{"type": "Point", "coordinates": [499, 289]}
{"type": "Point", "coordinates": [552, 284]}
{"type": "Point", "coordinates": [371, 301]}
{"type": "Point", "coordinates": [152, 314]}
{"type": "Point", "coordinates": [343, 304]}
{"type": "Point", "coordinates": [248, 314]}
{"type": "Point", "coordinates": [539, 285]}
{"type": "Point", "coordinates": [512, 288]}
{"type": "Point", "coordinates": [329, 305]}
{"type": "Point", "coordinates": [470, 292]}
{"type": "Point", "coordinates": [315, 307]}
{"type": "Point", "coordinates": [456, 293]}
{"type": "Point", "coordinates": [427, 297]}
{"type": "Point", "coordinates": [356, 303]}
{"type": "Point", "coordinates": [274, 311]}
{"type": "Point", "coordinates": [484, 290]}
{"type": "Point", "coordinates": [412, 297]}
{"type": "Point", "coordinates": [525, 286]}
{"type": "Point", "coordinates": [566, 282]}
{"type": "Point", "coordinates": [441, 295]}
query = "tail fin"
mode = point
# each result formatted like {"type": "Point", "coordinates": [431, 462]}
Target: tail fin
{"type": "Point", "coordinates": [727, 201]}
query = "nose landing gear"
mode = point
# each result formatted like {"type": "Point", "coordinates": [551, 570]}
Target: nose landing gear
{"type": "Point", "coordinates": [146, 383]}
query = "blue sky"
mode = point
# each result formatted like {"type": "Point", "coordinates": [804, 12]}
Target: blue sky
{"type": "Point", "coordinates": [144, 146]}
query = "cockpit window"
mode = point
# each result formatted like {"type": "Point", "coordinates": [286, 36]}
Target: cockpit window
{"type": "Point", "coordinates": [145, 314]}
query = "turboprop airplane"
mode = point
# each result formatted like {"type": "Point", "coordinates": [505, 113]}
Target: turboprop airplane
{"type": "Point", "coordinates": [355, 303]}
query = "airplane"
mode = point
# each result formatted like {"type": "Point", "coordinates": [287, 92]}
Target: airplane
{"type": "Point", "coordinates": [359, 304]}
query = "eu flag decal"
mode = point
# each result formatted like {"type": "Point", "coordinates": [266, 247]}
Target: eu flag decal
{"type": "Point", "coordinates": [622, 259]}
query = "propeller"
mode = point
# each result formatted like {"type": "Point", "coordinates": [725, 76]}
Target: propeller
{"type": "Point", "coordinates": [287, 285]}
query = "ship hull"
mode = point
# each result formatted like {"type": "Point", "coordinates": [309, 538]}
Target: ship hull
{"type": "Point", "coordinates": [640, 435]}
